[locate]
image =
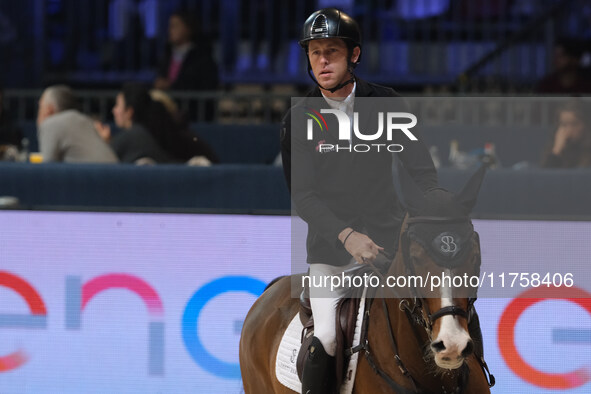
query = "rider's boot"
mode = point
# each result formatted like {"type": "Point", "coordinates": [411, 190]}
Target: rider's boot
{"type": "Point", "coordinates": [318, 372]}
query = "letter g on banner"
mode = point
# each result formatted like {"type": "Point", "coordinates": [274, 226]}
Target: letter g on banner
{"type": "Point", "coordinates": [506, 338]}
{"type": "Point", "coordinates": [195, 306]}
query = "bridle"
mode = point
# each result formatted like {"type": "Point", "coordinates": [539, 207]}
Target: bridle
{"type": "Point", "coordinates": [420, 310]}
{"type": "Point", "coordinates": [415, 313]}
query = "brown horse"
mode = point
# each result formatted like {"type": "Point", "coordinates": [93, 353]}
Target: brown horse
{"type": "Point", "coordinates": [417, 342]}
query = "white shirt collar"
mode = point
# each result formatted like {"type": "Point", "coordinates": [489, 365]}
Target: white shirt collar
{"type": "Point", "coordinates": [343, 105]}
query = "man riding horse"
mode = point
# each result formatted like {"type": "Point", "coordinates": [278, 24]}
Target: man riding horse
{"type": "Point", "coordinates": [346, 225]}
{"type": "Point", "coordinates": [350, 205]}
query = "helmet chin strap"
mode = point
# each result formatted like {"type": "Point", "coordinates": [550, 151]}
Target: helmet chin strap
{"type": "Point", "coordinates": [339, 86]}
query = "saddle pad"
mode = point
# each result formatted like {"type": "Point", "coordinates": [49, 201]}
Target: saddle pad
{"type": "Point", "coordinates": [287, 354]}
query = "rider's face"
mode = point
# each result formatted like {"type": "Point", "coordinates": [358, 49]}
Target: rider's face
{"type": "Point", "coordinates": [328, 58]}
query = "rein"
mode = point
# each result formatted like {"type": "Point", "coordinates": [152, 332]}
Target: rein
{"type": "Point", "coordinates": [397, 388]}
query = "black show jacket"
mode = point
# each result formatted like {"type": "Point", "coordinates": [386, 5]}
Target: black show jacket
{"type": "Point", "coordinates": [333, 190]}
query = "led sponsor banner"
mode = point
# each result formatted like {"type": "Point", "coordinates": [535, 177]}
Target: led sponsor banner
{"type": "Point", "coordinates": [154, 303]}
{"type": "Point", "coordinates": [130, 303]}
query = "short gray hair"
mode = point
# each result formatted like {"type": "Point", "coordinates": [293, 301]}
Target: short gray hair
{"type": "Point", "coordinates": [61, 97]}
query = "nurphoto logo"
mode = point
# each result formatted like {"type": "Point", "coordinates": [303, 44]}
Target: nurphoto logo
{"type": "Point", "coordinates": [345, 130]}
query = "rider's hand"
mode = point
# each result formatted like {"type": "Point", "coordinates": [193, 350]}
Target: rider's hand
{"type": "Point", "coordinates": [359, 245]}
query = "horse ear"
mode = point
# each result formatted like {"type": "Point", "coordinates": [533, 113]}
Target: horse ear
{"type": "Point", "coordinates": [414, 198]}
{"type": "Point", "coordinates": [467, 197]}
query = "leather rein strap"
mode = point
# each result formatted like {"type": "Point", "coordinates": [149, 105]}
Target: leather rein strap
{"type": "Point", "coordinates": [364, 345]}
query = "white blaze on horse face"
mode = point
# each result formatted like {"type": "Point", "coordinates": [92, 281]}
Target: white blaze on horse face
{"type": "Point", "coordinates": [451, 334]}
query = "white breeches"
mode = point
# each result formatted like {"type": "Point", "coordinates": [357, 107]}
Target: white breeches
{"type": "Point", "coordinates": [323, 302]}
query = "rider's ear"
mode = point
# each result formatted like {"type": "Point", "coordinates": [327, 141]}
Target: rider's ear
{"type": "Point", "coordinates": [467, 197]}
{"type": "Point", "coordinates": [413, 196]}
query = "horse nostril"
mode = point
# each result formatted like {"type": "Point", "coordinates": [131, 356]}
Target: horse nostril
{"type": "Point", "coordinates": [468, 349]}
{"type": "Point", "coordinates": [438, 346]}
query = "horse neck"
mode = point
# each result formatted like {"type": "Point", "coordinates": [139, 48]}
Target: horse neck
{"type": "Point", "coordinates": [407, 344]}
{"type": "Point", "coordinates": [409, 338]}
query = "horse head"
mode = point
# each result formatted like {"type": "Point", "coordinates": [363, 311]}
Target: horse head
{"type": "Point", "coordinates": [440, 249]}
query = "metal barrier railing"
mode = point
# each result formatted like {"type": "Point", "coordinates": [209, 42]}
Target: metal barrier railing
{"type": "Point", "coordinates": [218, 106]}
{"type": "Point", "coordinates": [270, 107]}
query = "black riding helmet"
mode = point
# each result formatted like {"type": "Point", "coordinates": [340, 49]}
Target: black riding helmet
{"type": "Point", "coordinates": [332, 23]}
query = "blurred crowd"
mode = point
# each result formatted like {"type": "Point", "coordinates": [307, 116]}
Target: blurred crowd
{"type": "Point", "coordinates": [148, 129]}
{"type": "Point", "coordinates": [147, 126]}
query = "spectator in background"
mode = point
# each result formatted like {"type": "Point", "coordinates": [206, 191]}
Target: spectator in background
{"type": "Point", "coordinates": [189, 62]}
{"type": "Point", "coordinates": [196, 152]}
{"type": "Point", "coordinates": [144, 125]}
{"type": "Point", "coordinates": [570, 146]}
{"type": "Point", "coordinates": [65, 134]}
{"type": "Point", "coordinates": [568, 77]}
{"type": "Point", "coordinates": [151, 134]}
